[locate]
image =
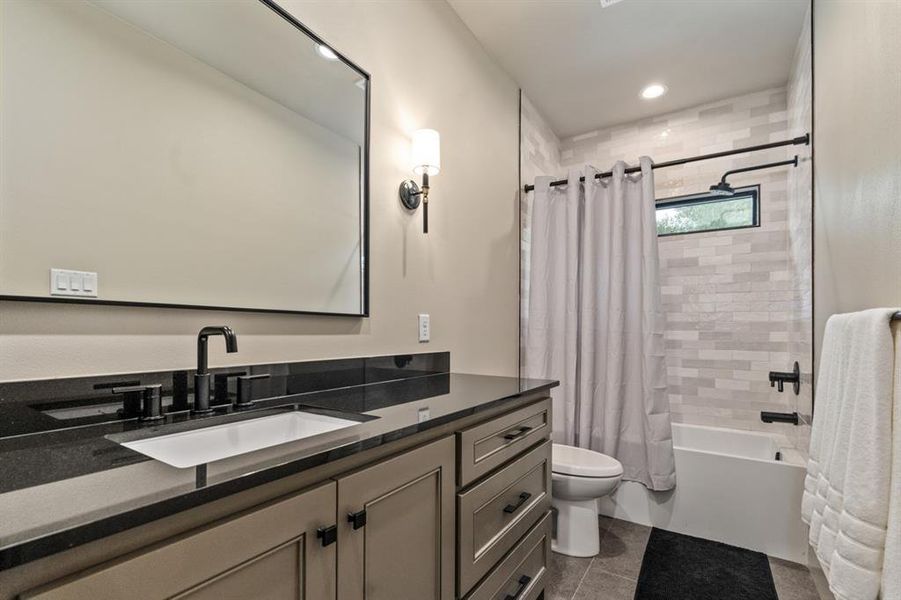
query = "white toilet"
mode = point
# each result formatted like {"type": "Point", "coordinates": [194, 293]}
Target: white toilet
{"type": "Point", "coordinates": [579, 478]}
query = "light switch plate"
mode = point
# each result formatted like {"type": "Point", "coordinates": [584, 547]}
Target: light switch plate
{"type": "Point", "coordinates": [64, 282]}
{"type": "Point", "coordinates": [425, 328]}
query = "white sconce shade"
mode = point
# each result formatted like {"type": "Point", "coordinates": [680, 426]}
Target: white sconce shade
{"type": "Point", "coordinates": [426, 152]}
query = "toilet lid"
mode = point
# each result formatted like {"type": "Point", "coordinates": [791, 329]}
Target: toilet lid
{"type": "Point", "coordinates": [569, 460]}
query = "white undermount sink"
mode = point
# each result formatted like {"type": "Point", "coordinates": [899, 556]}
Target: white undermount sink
{"type": "Point", "coordinates": [192, 448]}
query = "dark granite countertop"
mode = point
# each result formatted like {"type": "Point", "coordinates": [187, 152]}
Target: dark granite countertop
{"type": "Point", "coordinates": [67, 486]}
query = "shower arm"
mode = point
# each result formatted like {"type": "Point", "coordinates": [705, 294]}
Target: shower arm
{"type": "Point", "coordinates": [781, 163]}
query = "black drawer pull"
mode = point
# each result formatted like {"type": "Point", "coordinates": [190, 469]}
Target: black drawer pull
{"type": "Point", "coordinates": [512, 508]}
{"type": "Point", "coordinates": [328, 535]}
{"type": "Point", "coordinates": [358, 519]}
{"type": "Point", "coordinates": [523, 584]}
{"type": "Point", "coordinates": [518, 433]}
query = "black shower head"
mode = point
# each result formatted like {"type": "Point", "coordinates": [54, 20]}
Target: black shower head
{"type": "Point", "coordinates": [722, 189]}
{"type": "Point", "coordinates": [725, 190]}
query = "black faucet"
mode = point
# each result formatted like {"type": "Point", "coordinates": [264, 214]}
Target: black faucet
{"type": "Point", "coordinates": [782, 377]}
{"type": "Point", "coordinates": [202, 377]}
{"type": "Point", "coordinates": [778, 417]}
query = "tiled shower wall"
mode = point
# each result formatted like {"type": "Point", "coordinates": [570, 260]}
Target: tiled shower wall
{"type": "Point", "coordinates": [730, 297]}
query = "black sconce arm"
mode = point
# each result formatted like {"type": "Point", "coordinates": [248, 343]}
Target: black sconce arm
{"type": "Point", "coordinates": [412, 195]}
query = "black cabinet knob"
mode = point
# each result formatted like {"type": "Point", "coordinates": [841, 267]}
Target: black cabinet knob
{"type": "Point", "coordinates": [357, 519]}
{"type": "Point", "coordinates": [328, 535]}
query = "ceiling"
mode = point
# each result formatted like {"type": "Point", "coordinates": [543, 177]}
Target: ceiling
{"type": "Point", "coordinates": [584, 66]}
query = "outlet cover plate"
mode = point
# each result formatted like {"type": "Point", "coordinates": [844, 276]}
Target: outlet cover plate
{"type": "Point", "coordinates": [425, 328]}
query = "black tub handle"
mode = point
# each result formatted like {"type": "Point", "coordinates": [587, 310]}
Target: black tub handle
{"type": "Point", "coordinates": [512, 508]}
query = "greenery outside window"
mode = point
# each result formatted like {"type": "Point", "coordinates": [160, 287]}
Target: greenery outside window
{"type": "Point", "coordinates": [709, 212]}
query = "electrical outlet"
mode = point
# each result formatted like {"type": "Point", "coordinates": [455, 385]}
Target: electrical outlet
{"type": "Point", "coordinates": [425, 328]}
{"type": "Point", "coordinates": [64, 282]}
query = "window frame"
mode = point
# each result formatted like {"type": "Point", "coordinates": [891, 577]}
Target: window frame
{"type": "Point", "coordinates": [706, 198]}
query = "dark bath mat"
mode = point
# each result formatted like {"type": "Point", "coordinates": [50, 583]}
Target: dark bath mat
{"type": "Point", "coordinates": [680, 567]}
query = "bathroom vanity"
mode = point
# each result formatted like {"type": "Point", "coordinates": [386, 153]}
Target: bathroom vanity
{"type": "Point", "coordinates": [440, 489]}
{"type": "Point", "coordinates": [230, 127]}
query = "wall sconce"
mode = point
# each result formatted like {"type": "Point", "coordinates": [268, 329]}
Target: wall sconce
{"type": "Point", "coordinates": [425, 158]}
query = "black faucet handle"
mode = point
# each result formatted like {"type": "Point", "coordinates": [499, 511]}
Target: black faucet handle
{"type": "Point", "coordinates": [220, 385]}
{"type": "Point", "coordinates": [245, 389]}
{"type": "Point", "coordinates": [144, 401]}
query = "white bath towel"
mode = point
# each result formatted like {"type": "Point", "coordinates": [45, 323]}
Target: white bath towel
{"type": "Point", "coordinates": [891, 566]}
{"type": "Point", "coordinates": [847, 489]}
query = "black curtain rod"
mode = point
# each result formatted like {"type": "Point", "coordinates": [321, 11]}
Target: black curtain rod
{"type": "Point", "coordinates": [804, 139]}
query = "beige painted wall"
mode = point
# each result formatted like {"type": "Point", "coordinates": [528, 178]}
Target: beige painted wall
{"type": "Point", "coordinates": [464, 273]}
{"type": "Point", "coordinates": [857, 161]}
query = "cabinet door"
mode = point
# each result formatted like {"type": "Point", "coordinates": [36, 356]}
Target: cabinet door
{"type": "Point", "coordinates": [405, 548]}
{"type": "Point", "coordinates": [271, 553]}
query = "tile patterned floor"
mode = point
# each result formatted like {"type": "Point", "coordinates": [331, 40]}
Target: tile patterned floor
{"type": "Point", "coordinates": [613, 573]}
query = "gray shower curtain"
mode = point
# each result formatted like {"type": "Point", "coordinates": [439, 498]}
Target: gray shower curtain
{"type": "Point", "coordinates": [595, 320]}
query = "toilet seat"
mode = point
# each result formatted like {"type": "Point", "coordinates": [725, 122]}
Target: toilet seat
{"type": "Point", "coordinates": [581, 462]}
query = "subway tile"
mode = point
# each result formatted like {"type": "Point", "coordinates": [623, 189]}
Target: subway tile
{"type": "Point", "coordinates": [732, 384]}
{"type": "Point", "coordinates": [750, 355]}
{"type": "Point", "coordinates": [711, 240]}
{"type": "Point", "coordinates": [681, 335]}
{"type": "Point", "coordinates": [713, 260]}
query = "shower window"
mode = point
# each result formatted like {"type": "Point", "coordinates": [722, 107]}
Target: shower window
{"type": "Point", "coordinates": [709, 212]}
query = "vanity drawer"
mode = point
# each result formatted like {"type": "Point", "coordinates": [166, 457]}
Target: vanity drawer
{"type": "Point", "coordinates": [523, 571]}
{"type": "Point", "coordinates": [496, 513]}
{"type": "Point", "coordinates": [487, 446]}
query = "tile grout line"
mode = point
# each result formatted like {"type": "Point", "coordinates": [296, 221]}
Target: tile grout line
{"type": "Point", "coordinates": [620, 575]}
{"type": "Point", "coordinates": [593, 558]}
{"type": "Point", "coordinates": [584, 575]}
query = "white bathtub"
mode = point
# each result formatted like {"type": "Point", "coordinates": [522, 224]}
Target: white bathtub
{"type": "Point", "coordinates": [729, 488]}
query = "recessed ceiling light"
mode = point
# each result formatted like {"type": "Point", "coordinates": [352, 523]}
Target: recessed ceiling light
{"type": "Point", "coordinates": [655, 90]}
{"type": "Point", "coordinates": [326, 52]}
{"type": "Point", "coordinates": [606, 3]}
